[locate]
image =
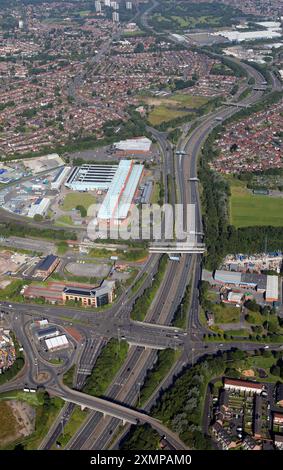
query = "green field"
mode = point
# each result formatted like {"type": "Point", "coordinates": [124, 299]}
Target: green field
{"type": "Point", "coordinates": [226, 313]}
{"type": "Point", "coordinates": [174, 106]}
{"type": "Point", "coordinates": [247, 209]}
{"type": "Point", "coordinates": [64, 220]}
{"type": "Point", "coordinates": [163, 113]}
{"type": "Point", "coordinates": [72, 200]}
{"type": "Point", "coordinates": [33, 399]}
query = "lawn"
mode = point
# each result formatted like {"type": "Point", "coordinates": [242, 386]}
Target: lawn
{"type": "Point", "coordinates": [31, 398]}
{"type": "Point", "coordinates": [76, 420]}
{"type": "Point", "coordinates": [242, 332]}
{"type": "Point", "coordinates": [155, 196]}
{"type": "Point", "coordinates": [260, 362]}
{"type": "Point", "coordinates": [226, 314]}
{"type": "Point", "coordinates": [171, 107]}
{"type": "Point", "coordinates": [72, 200]}
{"type": "Point", "coordinates": [64, 220]}
{"type": "Point", "coordinates": [247, 209]}
{"type": "Point", "coordinates": [163, 113]}
{"type": "Point", "coordinates": [190, 101]}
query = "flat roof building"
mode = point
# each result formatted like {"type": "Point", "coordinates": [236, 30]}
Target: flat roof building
{"type": "Point", "coordinates": [228, 277]}
{"type": "Point", "coordinates": [235, 297]}
{"type": "Point", "coordinates": [47, 333]}
{"type": "Point", "coordinates": [118, 200]}
{"type": "Point", "coordinates": [39, 207]}
{"type": "Point", "coordinates": [278, 418]}
{"type": "Point", "coordinates": [90, 297]}
{"type": "Point", "coordinates": [46, 266]}
{"type": "Point", "coordinates": [271, 294]}
{"type": "Point", "coordinates": [57, 342]}
{"type": "Point", "coordinates": [91, 177]}
{"type": "Point", "coordinates": [137, 146]}
{"type": "Point", "coordinates": [60, 177]}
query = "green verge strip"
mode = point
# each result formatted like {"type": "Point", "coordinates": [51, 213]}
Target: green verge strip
{"type": "Point", "coordinates": [106, 367]}
{"type": "Point", "coordinates": [165, 360]}
{"type": "Point", "coordinates": [143, 303]}
{"type": "Point", "coordinates": [139, 283]}
{"type": "Point", "coordinates": [68, 377]}
{"type": "Point", "coordinates": [180, 317]}
{"type": "Point", "coordinates": [111, 359]}
{"type": "Point", "coordinates": [75, 422]}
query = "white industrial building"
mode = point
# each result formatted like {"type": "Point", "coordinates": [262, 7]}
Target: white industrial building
{"type": "Point", "coordinates": [137, 145]}
{"type": "Point", "coordinates": [91, 177]}
{"type": "Point", "coordinates": [115, 17]}
{"type": "Point", "coordinates": [235, 297]}
{"type": "Point", "coordinates": [60, 178]}
{"type": "Point", "coordinates": [118, 199]}
{"type": "Point", "coordinates": [97, 6]}
{"type": "Point", "coordinates": [57, 342]}
{"type": "Point", "coordinates": [39, 207]}
{"type": "Point", "coordinates": [273, 30]}
{"type": "Point", "coordinates": [271, 294]}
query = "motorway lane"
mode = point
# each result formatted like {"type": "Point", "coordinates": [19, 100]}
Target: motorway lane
{"type": "Point", "coordinates": [132, 369]}
{"type": "Point", "coordinates": [127, 393]}
{"type": "Point", "coordinates": [88, 358]}
{"type": "Point", "coordinates": [208, 125]}
{"type": "Point", "coordinates": [225, 114]}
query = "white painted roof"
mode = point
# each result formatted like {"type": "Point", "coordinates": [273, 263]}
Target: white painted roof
{"type": "Point", "coordinates": [57, 342]}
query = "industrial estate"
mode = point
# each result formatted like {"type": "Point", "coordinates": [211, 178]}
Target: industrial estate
{"type": "Point", "coordinates": [116, 118]}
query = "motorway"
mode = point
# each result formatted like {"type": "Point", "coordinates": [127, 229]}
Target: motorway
{"type": "Point", "coordinates": [122, 395]}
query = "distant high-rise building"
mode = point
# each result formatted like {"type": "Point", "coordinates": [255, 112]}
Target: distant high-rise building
{"type": "Point", "coordinates": [115, 17]}
{"type": "Point", "coordinates": [129, 5]}
{"type": "Point", "coordinates": [97, 6]}
{"type": "Point", "coordinates": [115, 5]}
{"type": "Point", "coordinates": [21, 24]}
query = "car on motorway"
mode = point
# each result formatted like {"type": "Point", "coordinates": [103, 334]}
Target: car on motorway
{"type": "Point", "coordinates": [266, 347]}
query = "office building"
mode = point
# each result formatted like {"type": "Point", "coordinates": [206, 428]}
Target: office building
{"type": "Point", "coordinates": [88, 296]}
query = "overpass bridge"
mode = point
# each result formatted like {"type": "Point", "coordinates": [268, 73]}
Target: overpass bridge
{"type": "Point", "coordinates": [235, 105]}
{"type": "Point", "coordinates": [106, 407]}
{"type": "Point", "coordinates": [180, 248]}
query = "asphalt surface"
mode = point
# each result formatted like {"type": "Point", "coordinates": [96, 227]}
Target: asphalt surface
{"type": "Point", "coordinates": [114, 322]}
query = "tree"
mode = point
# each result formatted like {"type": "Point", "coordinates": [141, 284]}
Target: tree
{"type": "Point", "coordinates": [82, 210]}
{"type": "Point", "coordinates": [275, 370]}
{"type": "Point", "coordinates": [252, 305]}
{"type": "Point", "coordinates": [139, 48]}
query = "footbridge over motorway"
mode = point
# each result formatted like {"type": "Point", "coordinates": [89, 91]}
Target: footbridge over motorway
{"type": "Point", "coordinates": [235, 105]}
{"type": "Point", "coordinates": [191, 248]}
{"type": "Point", "coordinates": [106, 407]}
